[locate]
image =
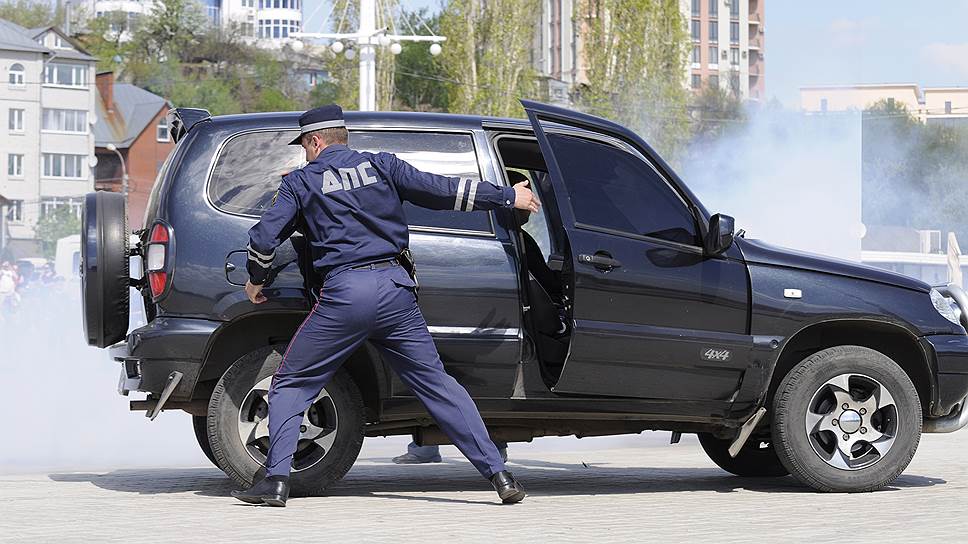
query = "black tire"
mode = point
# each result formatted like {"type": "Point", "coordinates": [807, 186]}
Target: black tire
{"type": "Point", "coordinates": [200, 425]}
{"type": "Point", "coordinates": [104, 268]}
{"type": "Point", "coordinates": [244, 464]}
{"type": "Point", "coordinates": [803, 385]}
{"type": "Point", "coordinates": [756, 460]}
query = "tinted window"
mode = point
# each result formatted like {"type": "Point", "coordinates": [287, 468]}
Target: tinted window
{"type": "Point", "coordinates": [611, 188]}
{"type": "Point", "coordinates": [248, 170]}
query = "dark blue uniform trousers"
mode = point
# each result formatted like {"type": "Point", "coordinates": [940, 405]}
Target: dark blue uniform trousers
{"type": "Point", "coordinates": [378, 305]}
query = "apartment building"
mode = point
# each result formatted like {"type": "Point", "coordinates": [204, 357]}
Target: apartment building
{"type": "Point", "coordinates": [554, 54]}
{"type": "Point", "coordinates": [265, 22]}
{"type": "Point", "coordinates": [728, 41]}
{"type": "Point", "coordinates": [47, 105]}
{"type": "Point", "coordinates": [927, 104]}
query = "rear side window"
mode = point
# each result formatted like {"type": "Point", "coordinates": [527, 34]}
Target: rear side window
{"type": "Point", "coordinates": [613, 189]}
{"type": "Point", "coordinates": [247, 172]}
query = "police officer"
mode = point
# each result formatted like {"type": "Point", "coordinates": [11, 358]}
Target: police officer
{"type": "Point", "coordinates": [351, 204]}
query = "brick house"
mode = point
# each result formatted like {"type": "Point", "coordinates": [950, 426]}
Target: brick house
{"type": "Point", "coordinates": [132, 119]}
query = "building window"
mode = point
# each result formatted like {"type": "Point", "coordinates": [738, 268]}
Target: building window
{"type": "Point", "coordinates": [713, 31]}
{"type": "Point", "coordinates": [15, 120]}
{"type": "Point", "coordinates": [734, 84]}
{"type": "Point", "coordinates": [734, 32]}
{"type": "Point", "coordinates": [65, 120]}
{"type": "Point", "coordinates": [713, 8]}
{"type": "Point", "coordinates": [15, 211]}
{"type": "Point", "coordinates": [947, 107]}
{"type": "Point", "coordinates": [49, 205]}
{"type": "Point", "coordinates": [734, 56]}
{"type": "Point", "coordinates": [696, 81]}
{"type": "Point", "coordinates": [890, 103]}
{"type": "Point", "coordinates": [161, 130]}
{"type": "Point", "coordinates": [734, 9]}
{"type": "Point", "coordinates": [71, 75]}
{"type": "Point", "coordinates": [15, 165]}
{"type": "Point", "coordinates": [15, 76]}
{"type": "Point", "coordinates": [695, 7]}
{"type": "Point", "coordinates": [59, 165]}
{"type": "Point", "coordinates": [713, 55]}
{"type": "Point", "coordinates": [714, 81]}
{"type": "Point", "coordinates": [696, 55]}
{"type": "Point", "coordinates": [696, 30]}
{"type": "Point", "coordinates": [823, 105]}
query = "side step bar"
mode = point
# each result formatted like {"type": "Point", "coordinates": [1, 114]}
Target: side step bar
{"type": "Point", "coordinates": [745, 431]}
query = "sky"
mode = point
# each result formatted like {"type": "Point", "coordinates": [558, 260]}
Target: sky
{"type": "Point", "coordinates": [828, 42]}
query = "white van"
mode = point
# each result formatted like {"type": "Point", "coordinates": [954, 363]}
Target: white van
{"type": "Point", "coordinates": [67, 258]}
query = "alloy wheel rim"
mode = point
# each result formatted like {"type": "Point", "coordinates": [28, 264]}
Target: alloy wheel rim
{"type": "Point", "coordinates": [851, 421]}
{"type": "Point", "coordinates": [317, 431]}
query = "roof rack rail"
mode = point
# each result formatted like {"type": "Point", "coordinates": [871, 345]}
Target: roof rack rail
{"type": "Point", "coordinates": [181, 120]}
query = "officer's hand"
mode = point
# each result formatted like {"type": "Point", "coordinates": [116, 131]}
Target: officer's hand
{"type": "Point", "coordinates": [254, 292]}
{"type": "Point", "coordinates": [524, 199]}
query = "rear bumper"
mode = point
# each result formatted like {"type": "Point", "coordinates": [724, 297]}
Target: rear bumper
{"type": "Point", "coordinates": [949, 354]}
{"type": "Point", "coordinates": [151, 353]}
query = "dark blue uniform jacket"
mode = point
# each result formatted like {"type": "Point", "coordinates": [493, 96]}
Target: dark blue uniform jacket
{"type": "Point", "coordinates": [351, 204]}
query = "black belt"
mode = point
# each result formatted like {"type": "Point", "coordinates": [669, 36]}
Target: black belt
{"type": "Point", "coordinates": [376, 265]}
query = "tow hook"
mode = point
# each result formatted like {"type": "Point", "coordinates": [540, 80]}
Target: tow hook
{"type": "Point", "coordinates": [173, 380]}
{"type": "Point", "coordinates": [745, 431]}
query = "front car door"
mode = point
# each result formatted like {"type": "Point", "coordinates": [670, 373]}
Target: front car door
{"type": "Point", "coordinates": [653, 316]}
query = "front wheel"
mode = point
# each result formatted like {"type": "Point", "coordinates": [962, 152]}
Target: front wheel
{"type": "Point", "coordinates": [331, 432]}
{"type": "Point", "coordinates": [846, 419]}
{"type": "Point", "coordinates": [757, 459]}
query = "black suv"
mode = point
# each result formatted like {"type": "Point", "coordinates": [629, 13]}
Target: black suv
{"type": "Point", "coordinates": [623, 306]}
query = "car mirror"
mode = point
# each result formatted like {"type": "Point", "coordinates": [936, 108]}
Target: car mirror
{"type": "Point", "coordinates": [720, 234]}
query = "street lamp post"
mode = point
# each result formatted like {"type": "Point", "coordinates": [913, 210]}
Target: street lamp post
{"type": "Point", "coordinates": [124, 172]}
{"type": "Point", "coordinates": [366, 38]}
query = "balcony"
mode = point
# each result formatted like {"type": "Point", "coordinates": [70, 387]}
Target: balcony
{"type": "Point", "coordinates": [755, 45]}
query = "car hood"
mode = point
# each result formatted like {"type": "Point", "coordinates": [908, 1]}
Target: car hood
{"type": "Point", "coordinates": [759, 252]}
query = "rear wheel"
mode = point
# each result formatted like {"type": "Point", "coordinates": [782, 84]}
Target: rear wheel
{"type": "Point", "coordinates": [104, 268]}
{"type": "Point", "coordinates": [846, 419]}
{"type": "Point", "coordinates": [331, 432]}
{"type": "Point", "coordinates": [200, 424]}
{"type": "Point", "coordinates": [757, 459]}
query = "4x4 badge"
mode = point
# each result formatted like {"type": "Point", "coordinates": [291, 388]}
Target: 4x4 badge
{"type": "Point", "coordinates": [716, 354]}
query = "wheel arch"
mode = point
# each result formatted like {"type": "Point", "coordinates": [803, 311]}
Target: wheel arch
{"type": "Point", "coordinates": [244, 335]}
{"type": "Point", "coordinates": [891, 339]}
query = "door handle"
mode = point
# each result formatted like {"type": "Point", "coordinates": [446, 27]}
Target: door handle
{"type": "Point", "coordinates": [600, 260]}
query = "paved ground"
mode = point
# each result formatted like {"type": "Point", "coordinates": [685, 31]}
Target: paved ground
{"type": "Point", "coordinates": [622, 494]}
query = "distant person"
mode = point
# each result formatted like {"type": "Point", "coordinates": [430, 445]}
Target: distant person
{"type": "Point", "coordinates": [417, 455]}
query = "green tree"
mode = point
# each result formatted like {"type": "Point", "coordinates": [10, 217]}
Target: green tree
{"type": "Point", "coordinates": [61, 221]}
{"type": "Point", "coordinates": [418, 74]}
{"type": "Point", "coordinates": [31, 13]}
{"type": "Point", "coordinates": [104, 39]}
{"type": "Point", "coordinates": [172, 31]}
{"type": "Point", "coordinates": [715, 111]}
{"type": "Point", "coordinates": [487, 54]}
{"type": "Point", "coordinates": [635, 54]}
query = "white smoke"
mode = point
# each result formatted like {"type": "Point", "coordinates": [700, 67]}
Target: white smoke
{"type": "Point", "coordinates": [788, 178]}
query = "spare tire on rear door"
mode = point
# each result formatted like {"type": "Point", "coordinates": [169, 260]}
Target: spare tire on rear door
{"type": "Point", "coordinates": [104, 268]}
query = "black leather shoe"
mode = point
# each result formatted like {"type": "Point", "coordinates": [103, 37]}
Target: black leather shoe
{"type": "Point", "coordinates": [273, 491]}
{"type": "Point", "coordinates": [507, 487]}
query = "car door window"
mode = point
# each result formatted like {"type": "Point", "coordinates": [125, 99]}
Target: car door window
{"type": "Point", "coordinates": [247, 171]}
{"type": "Point", "coordinates": [613, 189]}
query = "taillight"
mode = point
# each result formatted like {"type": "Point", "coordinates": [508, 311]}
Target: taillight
{"type": "Point", "coordinates": [158, 259]}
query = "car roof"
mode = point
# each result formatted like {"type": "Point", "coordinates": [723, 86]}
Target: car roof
{"type": "Point", "coordinates": [371, 118]}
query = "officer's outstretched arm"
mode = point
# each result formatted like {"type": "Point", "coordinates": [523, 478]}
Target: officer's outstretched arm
{"type": "Point", "coordinates": [276, 226]}
{"type": "Point", "coordinates": [443, 192]}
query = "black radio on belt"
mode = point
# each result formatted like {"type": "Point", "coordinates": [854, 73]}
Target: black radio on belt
{"type": "Point", "coordinates": [406, 261]}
